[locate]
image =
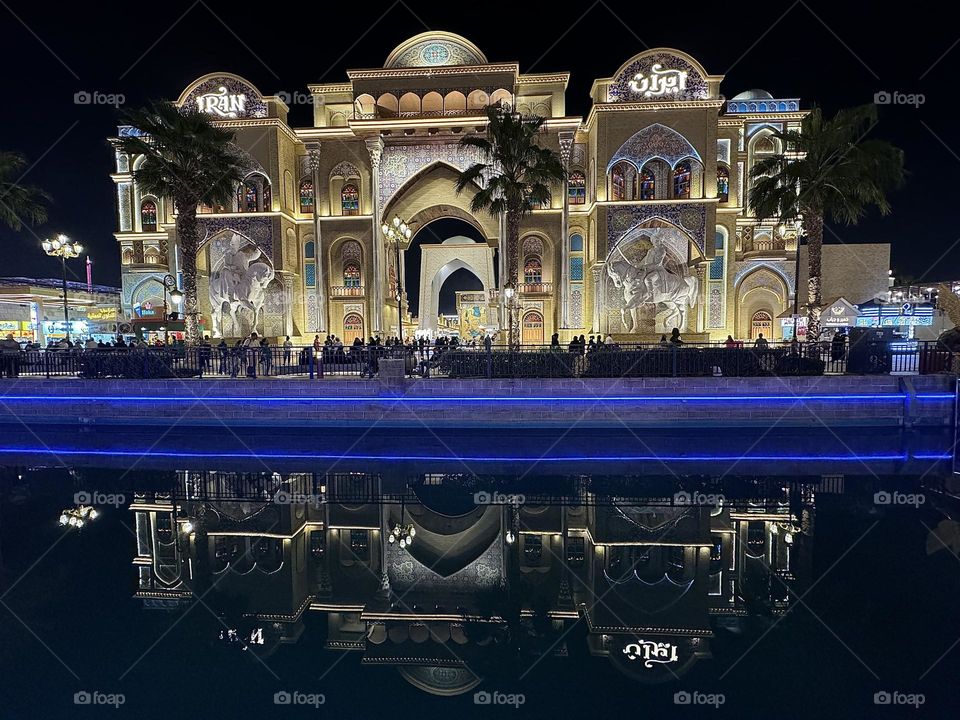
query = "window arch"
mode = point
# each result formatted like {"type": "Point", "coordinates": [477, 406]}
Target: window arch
{"type": "Point", "coordinates": [351, 274]}
{"type": "Point", "coordinates": [682, 176]}
{"type": "Point", "coordinates": [723, 183]}
{"type": "Point", "coordinates": [148, 216]}
{"type": "Point", "coordinates": [532, 332]}
{"type": "Point", "coordinates": [253, 194]}
{"type": "Point", "coordinates": [454, 102]}
{"type": "Point", "coordinates": [760, 323]}
{"type": "Point", "coordinates": [388, 105]}
{"type": "Point", "coordinates": [410, 104]}
{"type": "Point", "coordinates": [307, 197]}
{"type": "Point", "coordinates": [309, 250]}
{"type": "Point", "coordinates": [432, 103]}
{"type": "Point", "coordinates": [533, 270]}
{"type": "Point", "coordinates": [151, 256]}
{"type": "Point", "coordinates": [126, 257]}
{"type": "Point", "coordinates": [622, 180]}
{"type": "Point", "coordinates": [352, 328]}
{"type": "Point", "coordinates": [350, 199]}
{"type": "Point", "coordinates": [576, 242]}
{"type": "Point", "coordinates": [648, 184]}
{"type": "Point", "coordinates": [477, 100]}
{"type": "Point", "coordinates": [764, 145]}
{"type": "Point", "coordinates": [577, 188]}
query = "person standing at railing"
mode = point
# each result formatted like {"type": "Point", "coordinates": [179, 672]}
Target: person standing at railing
{"type": "Point", "coordinates": [203, 353]}
{"type": "Point", "coordinates": [266, 357]}
{"type": "Point", "coordinates": [761, 342]}
{"type": "Point", "coordinates": [10, 351]}
{"type": "Point", "coordinates": [729, 342]}
{"type": "Point", "coordinates": [675, 338]}
{"type": "Point", "coordinates": [838, 346]}
{"type": "Point", "coordinates": [287, 349]}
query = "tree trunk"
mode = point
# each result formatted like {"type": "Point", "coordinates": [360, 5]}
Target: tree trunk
{"type": "Point", "coordinates": [813, 226]}
{"type": "Point", "coordinates": [513, 272]}
{"type": "Point", "coordinates": [188, 239]}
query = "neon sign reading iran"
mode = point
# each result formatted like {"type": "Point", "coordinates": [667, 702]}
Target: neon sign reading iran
{"type": "Point", "coordinates": [222, 103]}
{"type": "Point", "coordinates": [659, 82]}
{"type": "Point", "coordinates": [651, 652]}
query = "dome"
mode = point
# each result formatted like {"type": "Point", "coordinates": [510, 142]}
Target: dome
{"type": "Point", "coordinates": [755, 94]}
{"type": "Point", "coordinates": [434, 49]}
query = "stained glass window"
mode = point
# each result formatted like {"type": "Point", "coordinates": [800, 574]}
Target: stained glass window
{"type": "Point", "coordinates": [309, 250]}
{"type": "Point", "coordinates": [716, 268]}
{"type": "Point", "coordinates": [577, 188]}
{"type": "Point", "coordinates": [719, 240]}
{"type": "Point", "coordinates": [350, 200]}
{"type": "Point", "coordinates": [148, 216]}
{"type": "Point", "coordinates": [351, 275]}
{"type": "Point", "coordinates": [576, 242]}
{"type": "Point", "coordinates": [310, 274]}
{"type": "Point", "coordinates": [648, 185]}
{"type": "Point", "coordinates": [533, 271]}
{"type": "Point", "coordinates": [306, 196]}
{"type": "Point", "coordinates": [576, 268]}
{"type": "Point", "coordinates": [723, 183]}
{"type": "Point", "coordinates": [618, 182]}
{"type": "Point", "coordinates": [681, 180]}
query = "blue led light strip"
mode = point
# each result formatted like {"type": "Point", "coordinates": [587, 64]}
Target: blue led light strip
{"type": "Point", "coordinates": [484, 398]}
{"type": "Point", "coordinates": [492, 458]}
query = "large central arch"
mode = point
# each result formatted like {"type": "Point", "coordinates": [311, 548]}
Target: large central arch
{"type": "Point", "coordinates": [439, 262]}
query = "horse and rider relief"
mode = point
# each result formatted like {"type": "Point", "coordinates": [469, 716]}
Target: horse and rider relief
{"type": "Point", "coordinates": [238, 286]}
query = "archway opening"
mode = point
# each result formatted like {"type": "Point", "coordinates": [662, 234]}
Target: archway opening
{"type": "Point", "coordinates": [458, 281]}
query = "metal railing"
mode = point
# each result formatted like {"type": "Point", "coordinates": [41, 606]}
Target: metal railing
{"type": "Point", "coordinates": [462, 361]}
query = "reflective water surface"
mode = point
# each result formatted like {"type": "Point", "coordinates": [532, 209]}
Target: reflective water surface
{"type": "Point", "coordinates": [815, 577]}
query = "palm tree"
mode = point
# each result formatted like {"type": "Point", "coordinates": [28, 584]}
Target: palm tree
{"type": "Point", "coordinates": [515, 176]}
{"type": "Point", "coordinates": [194, 162]}
{"type": "Point", "coordinates": [827, 169]}
{"type": "Point", "coordinates": [19, 203]}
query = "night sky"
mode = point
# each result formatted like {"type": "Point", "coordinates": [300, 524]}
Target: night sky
{"type": "Point", "coordinates": [827, 53]}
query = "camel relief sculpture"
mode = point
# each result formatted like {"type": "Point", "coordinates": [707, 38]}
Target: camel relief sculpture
{"type": "Point", "coordinates": [650, 281]}
{"type": "Point", "coordinates": [238, 289]}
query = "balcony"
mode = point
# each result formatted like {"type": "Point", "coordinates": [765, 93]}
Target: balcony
{"type": "Point", "coordinates": [764, 245]}
{"type": "Point", "coordinates": [540, 288]}
{"type": "Point", "coordinates": [341, 291]}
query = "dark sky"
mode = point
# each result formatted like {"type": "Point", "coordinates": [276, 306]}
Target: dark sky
{"type": "Point", "coordinates": [828, 53]}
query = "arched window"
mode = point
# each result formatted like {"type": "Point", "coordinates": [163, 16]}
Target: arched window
{"type": "Point", "coordinates": [577, 188]}
{"type": "Point", "coordinates": [351, 275]}
{"type": "Point", "coordinates": [764, 145]}
{"type": "Point", "coordinates": [151, 257]}
{"type": "Point", "coordinates": [350, 199]}
{"type": "Point", "coordinates": [306, 196]}
{"type": "Point", "coordinates": [533, 271]}
{"type": "Point", "coordinates": [309, 250]}
{"type": "Point", "coordinates": [576, 242]}
{"type": "Point", "coordinates": [618, 182]}
{"type": "Point", "coordinates": [126, 257]}
{"type": "Point", "coordinates": [148, 216]}
{"type": "Point", "coordinates": [253, 194]}
{"type": "Point", "coordinates": [723, 183]}
{"type": "Point", "coordinates": [648, 184]}
{"type": "Point", "coordinates": [681, 180]}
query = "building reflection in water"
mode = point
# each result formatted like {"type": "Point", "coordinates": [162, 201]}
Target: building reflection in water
{"type": "Point", "coordinates": [487, 574]}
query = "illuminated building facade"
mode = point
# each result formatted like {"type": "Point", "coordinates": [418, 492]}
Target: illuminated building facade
{"type": "Point", "coordinates": [651, 229]}
{"type": "Point", "coordinates": [652, 577]}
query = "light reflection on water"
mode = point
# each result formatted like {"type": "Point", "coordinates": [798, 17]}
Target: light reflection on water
{"type": "Point", "coordinates": [210, 589]}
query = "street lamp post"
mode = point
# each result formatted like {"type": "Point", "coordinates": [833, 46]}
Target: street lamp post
{"type": "Point", "coordinates": [169, 288]}
{"type": "Point", "coordinates": [509, 292]}
{"type": "Point", "coordinates": [396, 233]}
{"type": "Point", "coordinates": [63, 248]}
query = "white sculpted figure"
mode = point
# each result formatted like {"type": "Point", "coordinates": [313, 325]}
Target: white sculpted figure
{"type": "Point", "coordinates": [651, 282]}
{"type": "Point", "coordinates": [238, 288]}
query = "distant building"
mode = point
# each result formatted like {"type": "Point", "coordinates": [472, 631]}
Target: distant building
{"type": "Point", "coordinates": [32, 309]}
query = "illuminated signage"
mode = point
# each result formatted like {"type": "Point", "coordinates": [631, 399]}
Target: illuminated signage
{"type": "Point", "coordinates": [222, 103]}
{"type": "Point", "coordinates": [651, 652]}
{"type": "Point", "coordinates": [102, 314]}
{"type": "Point", "coordinates": [659, 82]}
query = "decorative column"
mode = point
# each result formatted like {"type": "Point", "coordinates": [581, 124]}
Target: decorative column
{"type": "Point", "coordinates": [704, 292]}
{"type": "Point", "coordinates": [375, 148]}
{"type": "Point", "coordinates": [566, 144]}
{"type": "Point", "coordinates": [313, 161]}
{"type": "Point", "coordinates": [598, 297]}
